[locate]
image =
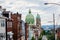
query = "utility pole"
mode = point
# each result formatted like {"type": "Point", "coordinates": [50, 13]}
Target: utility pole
{"type": "Point", "coordinates": [54, 22]}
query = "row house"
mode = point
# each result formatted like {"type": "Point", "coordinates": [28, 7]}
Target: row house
{"type": "Point", "coordinates": [8, 23]}
{"type": "Point", "coordinates": [23, 30]}
{"type": "Point", "coordinates": [14, 24]}
{"type": "Point", "coordinates": [26, 31]}
{"type": "Point", "coordinates": [58, 33]}
{"type": "Point", "coordinates": [3, 25]}
{"type": "Point", "coordinates": [20, 28]}
{"type": "Point", "coordinates": [9, 20]}
{"type": "Point", "coordinates": [17, 26]}
{"type": "Point", "coordinates": [2, 28]}
{"type": "Point", "coordinates": [12, 27]}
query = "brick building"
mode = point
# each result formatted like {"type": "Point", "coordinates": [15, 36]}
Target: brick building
{"type": "Point", "coordinates": [58, 33]}
{"type": "Point", "coordinates": [8, 22]}
{"type": "Point", "coordinates": [17, 24]}
{"type": "Point", "coordinates": [9, 25]}
{"type": "Point", "coordinates": [26, 31]}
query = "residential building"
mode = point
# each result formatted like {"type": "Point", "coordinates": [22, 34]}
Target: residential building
{"type": "Point", "coordinates": [9, 23]}
{"type": "Point", "coordinates": [26, 31]}
{"type": "Point", "coordinates": [58, 33]}
{"type": "Point", "coordinates": [17, 26]}
{"type": "Point", "coordinates": [9, 20]}
{"type": "Point", "coordinates": [6, 13]}
{"type": "Point", "coordinates": [2, 25]}
{"type": "Point", "coordinates": [3, 28]}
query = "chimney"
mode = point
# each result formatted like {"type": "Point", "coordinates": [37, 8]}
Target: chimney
{"type": "Point", "coordinates": [4, 9]}
{"type": "Point", "coordinates": [17, 13]}
{"type": "Point", "coordinates": [10, 13]}
{"type": "Point", "coordinates": [1, 11]}
{"type": "Point", "coordinates": [0, 7]}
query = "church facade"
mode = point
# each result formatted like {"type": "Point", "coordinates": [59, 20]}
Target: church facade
{"type": "Point", "coordinates": [34, 29]}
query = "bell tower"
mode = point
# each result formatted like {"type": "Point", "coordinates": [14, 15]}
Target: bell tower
{"type": "Point", "coordinates": [38, 21]}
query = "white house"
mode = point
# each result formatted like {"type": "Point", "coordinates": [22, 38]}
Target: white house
{"type": "Point", "coordinates": [2, 25]}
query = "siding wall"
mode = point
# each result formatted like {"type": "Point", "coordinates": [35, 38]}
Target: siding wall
{"type": "Point", "coordinates": [2, 29]}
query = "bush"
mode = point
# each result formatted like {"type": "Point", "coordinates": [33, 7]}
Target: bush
{"type": "Point", "coordinates": [51, 37]}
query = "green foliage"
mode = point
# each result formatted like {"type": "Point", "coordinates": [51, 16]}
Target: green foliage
{"type": "Point", "coordinates": [40, 38]}
{"type": "Point", "coordinates": [51, 36]}
{"type": "Point", "coordinates": [33, 38]}
{"type": "Point", "coordinates": [41, 35]}
{"type": "Point", "coordinates": [48, 32]}
{"type": "Point", "coordinates": [43, 32]}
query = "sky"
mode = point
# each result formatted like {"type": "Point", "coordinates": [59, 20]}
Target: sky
{"type": "Point", "coordinates": [37, 7]}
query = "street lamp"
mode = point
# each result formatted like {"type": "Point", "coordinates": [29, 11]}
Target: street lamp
{"type": "Point", "coordinates": [53, 14]}
{"type": "Point", "coordinates": [52, 3]}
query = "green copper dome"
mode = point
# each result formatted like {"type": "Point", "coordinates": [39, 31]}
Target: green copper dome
{"type": "Point", "coordinates": [29, 18]}
{"type": "Point", "coordinates": [38, 16]}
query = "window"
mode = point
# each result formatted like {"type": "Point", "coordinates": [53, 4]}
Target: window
{"type": "Point", "coordinates": [18, 18]}
{"type": "Point", "coordinates": [9, 24]}
{"type": "Point", "coordinates": [0, 13]}
{"type": "Point", "coordinates": [2, 23]}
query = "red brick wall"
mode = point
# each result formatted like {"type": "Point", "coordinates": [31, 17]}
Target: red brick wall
{"type": "Point", "coordinates": [15, 27]}
{"type": "Point", "coordinates": [26, 31]}
{"type": "Point", "coordinates": [58, 33]}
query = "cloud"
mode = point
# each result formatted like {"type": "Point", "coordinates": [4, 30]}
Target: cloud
{"type": "Point", "coordinates": [21, 4]}
{"type": "Point", "coordinates": [25, 3]}
{"type": "Point", "coordinates": [23, 17]}
{"type": "Point", "coordinates": [51, 1]}
{"type": "Point", "coordinates": [36, 6]}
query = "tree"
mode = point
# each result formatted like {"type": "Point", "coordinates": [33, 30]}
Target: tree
{"type": "Point", "coordinates": [33, 38]}
{"type": "Point", "coordinates": [41, 35]}
{"type": "Point", "coordinates": [51, 36]}
{"type": "Point", "coordinates": [40, 38]}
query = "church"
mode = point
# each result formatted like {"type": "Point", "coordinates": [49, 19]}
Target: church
{"type": "Point", "coordinates": [34, 28]}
